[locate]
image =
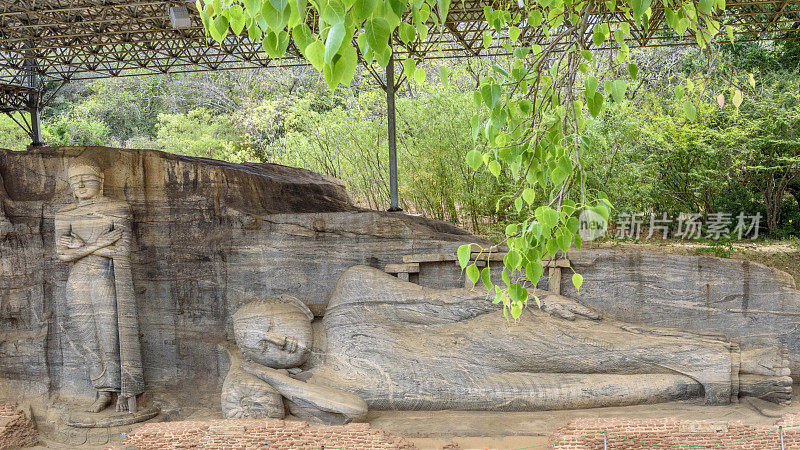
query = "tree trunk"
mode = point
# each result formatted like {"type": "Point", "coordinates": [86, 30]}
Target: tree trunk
{"type": "Point", "coordinates": [773, 197]}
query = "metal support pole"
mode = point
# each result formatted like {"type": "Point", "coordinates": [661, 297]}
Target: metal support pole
{"type": "Point", "coordinates": [32, 79]}
{"type": "Point", "coordinates": [395, 203]}
{"type": "Point", "coordinates": [780, 429]}
{"type": "Point", "coordinates": [605, 440]}
{"type": "Point", "coordinates": [36, 129]}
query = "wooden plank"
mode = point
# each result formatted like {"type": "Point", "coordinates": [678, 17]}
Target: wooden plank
{"type": "Point", "coordinates": [402, 268]}
{"type": "Point", "coordinates": [488, 256]}
{"type": "Point", "coordinates": [555, 281]}
{"type": "Point", "coordinates": [564, 263]}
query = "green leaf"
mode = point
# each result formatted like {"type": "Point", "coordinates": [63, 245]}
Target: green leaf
{"type": "Point", "coordinates": [236, 16]}
{"type": "Point", "coordinates": [494, 168]}
{"type": "Point", "coordinates": [564, 240]}
{"type": "Point", "coordinates": [279, 5]}
{"type": "Point", "coordinates": [689, 110]}
{"type": "Point", "coordinates": [591, 86]}
{"type": "Point", "coordinates": [516, 310]}
{"type": "Point", "coordinates": [598, 37]}
{"type": "Point", "coordinates": [618, 88]}
{"type": "Point", "coordinates": [377, 31]}
{"type": "Point", "coordinates": [513, 33]}
{"type": "Point", "coordinates": [511, 229]}
{"type": "Point", "coordinates": [302, 37]}
{"type": "Point", "coordinates": [315, 53]}
{"type": "Point", "coordinates": [407, 33]}
{"type": "Point", "coordinates": [474, 159]}
{"type": "Point", "coordinates": [517, 293]}
{"type": "Point", "coordinates": [633, 70]}
{"type": "Point", "coordinates": [473, 274]}
{"type": "Point", "coordinates": [528, 195]}
{"type": "Point", "coordinates": [518, 204]}
{"type": "Point", "coordinates": [486, 278]}
{"type": "Point", "coordinates": [344, 68]}
{"type": "Point", "coordinates": [729, 30]}
{"type": "Point", "coordinates": [219, 28]}
{"type": "Point", "coordinates": [706, 6]}
{"type": "Point", "coordinates": [679, 90]}
{"type": "Point", "coordinates": [444, 76]}
{"type": "Point", "coordinates": [419, 75]}
{"type": "Point", "coordinates": [362, 9]}
{"type": "Point", "coordinates": [512, 260]}
{"type": "Point", "coordinates": [546, 216]}
{"type": "Point", "coordinates": [334, 41]}
{"type": "Point", "coordinates": [332, 12]}
{"type": "Point", "coordinates": [254, 31]}
{"type": "Point", "coordinates": [577, 280]}
{"type": "Point", "coordinates": [504, 276]}
{"type": "Point", "coordinates": [595, 104]}
{"type": "Point", "coordinates": [253, 7]}
{"type": "Point", "coordinates": [409, 67]}
{"type": "Point", "coordinates": [272, 16]}
{"type": "Point", "coordinates": [464, 252]}
{"type": "Point", "coordinates": [444, 9]}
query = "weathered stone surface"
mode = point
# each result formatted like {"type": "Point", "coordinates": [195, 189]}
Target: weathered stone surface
{"type": "Point", "coordinates": [94, 236]}
{"type": "Point", "coordinates": [244, 396]}
{"type": "Point", "coordinates": [398, 345]}
{"type": "Point", "coordinates": [402, 346]}
{"type": "Point", "coordinates": [207, 236]}
{"type": "Point", "coordinates": [745, 301]}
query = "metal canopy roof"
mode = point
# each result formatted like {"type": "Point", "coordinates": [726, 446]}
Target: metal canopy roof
{"type": "Point", "coordinates": [51, 42]}
{"type": "Point", "coordinates": [64, 40]}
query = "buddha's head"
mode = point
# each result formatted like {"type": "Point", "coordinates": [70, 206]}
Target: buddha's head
{"type": "Point", "coordinates": [275, 332]}
{"type": "Point", "coordinates": [85, 179]}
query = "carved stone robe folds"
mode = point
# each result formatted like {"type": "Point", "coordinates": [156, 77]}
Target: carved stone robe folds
{"type": "Point", "coordinates": [100, 301]}
{"type": "Point", "coordinates": [403, 346]}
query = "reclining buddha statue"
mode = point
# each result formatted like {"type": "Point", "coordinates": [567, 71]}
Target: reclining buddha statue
{"type": "Point", "coordinates": [384, 343]}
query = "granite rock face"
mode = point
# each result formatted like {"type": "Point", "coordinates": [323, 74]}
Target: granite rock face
{"type": "Point", "coordinates": [208, 236]}
{"type": "Point", "coordinates": [752, 304]}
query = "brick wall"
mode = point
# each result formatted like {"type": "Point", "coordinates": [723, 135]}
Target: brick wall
{"type": "Point", "coordinates": [671, 431]}
{"type": "Point", "coordinates": [16, 428]}
{"type": "Point", "coordinates": [269, 433]}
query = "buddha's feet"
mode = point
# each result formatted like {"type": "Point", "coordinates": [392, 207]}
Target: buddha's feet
{"type": "Point", "coordinates": [764, 374]}
{"type": "Point", "coordinates": [103, 400]}
{"type": "Point", "coordinates": [772, 389]}
{"type": "Point", "coordinates": [122, 403]}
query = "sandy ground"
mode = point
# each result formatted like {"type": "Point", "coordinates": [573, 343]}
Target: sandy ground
{"type": "Point", "coordinates": [517, 430]}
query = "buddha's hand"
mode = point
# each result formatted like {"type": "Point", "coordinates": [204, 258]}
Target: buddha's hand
{"type": "Point", "coordinates": [71, 241]}
{"type": "Point", "coordinates": [109, 237]}
{"type": "Point", "coordinates": [559, 306]}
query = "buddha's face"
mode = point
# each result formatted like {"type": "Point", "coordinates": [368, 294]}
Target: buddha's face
{"type": "Point", "coordinates": [275, 335]}
{"type": "Point", "coordinates": [85, 186]}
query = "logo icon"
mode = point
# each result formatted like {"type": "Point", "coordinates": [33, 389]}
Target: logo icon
{"type": "Point", "coordinates": [591, 225]}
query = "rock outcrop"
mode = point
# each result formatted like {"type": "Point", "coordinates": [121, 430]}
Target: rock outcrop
{"type": "Point", "coordinates": [211, 236]}
{"type": "Point", "coordinates": [208, 237]}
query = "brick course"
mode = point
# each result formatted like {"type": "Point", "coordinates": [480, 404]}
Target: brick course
{"type": "Point", "coordinates": [672, 431]}
{"type": "Point", "coordinates": [16, 428]}
{"type": "Point", "coordinates": [254, 433]}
